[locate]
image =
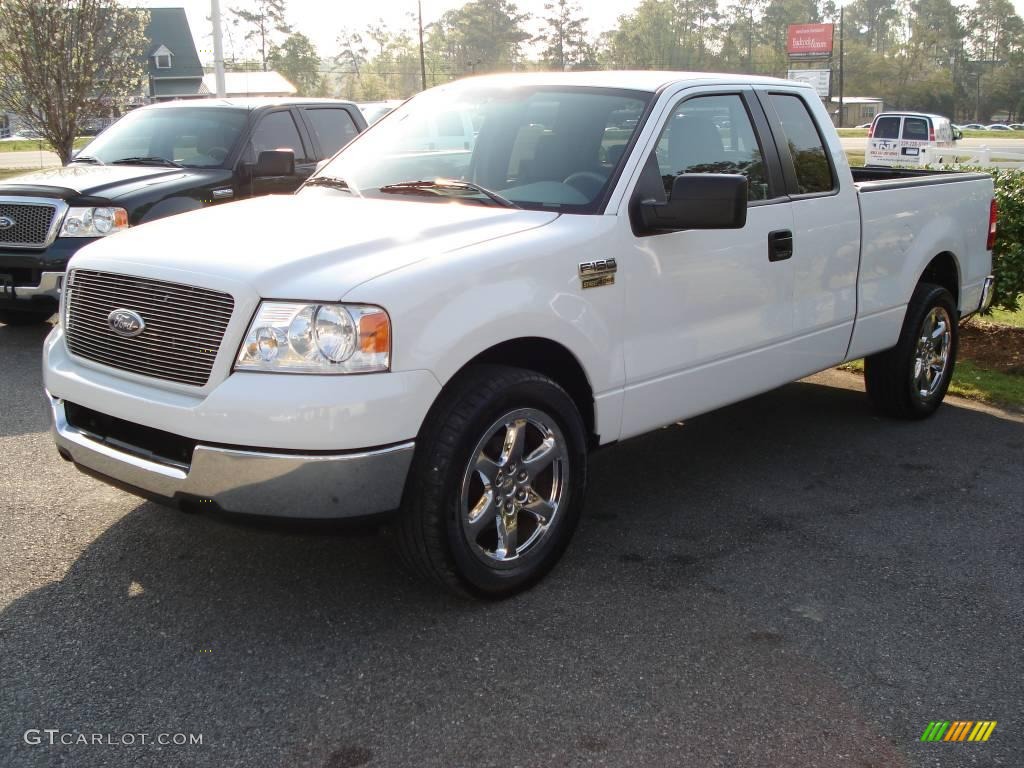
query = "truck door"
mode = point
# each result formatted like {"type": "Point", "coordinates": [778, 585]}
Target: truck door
{"type": "Point", "coordinates": [826, 233]}
{"type": "Point", "coordinates": [278, 130]}
{"type": "Point", "coordinates": [705, 308]}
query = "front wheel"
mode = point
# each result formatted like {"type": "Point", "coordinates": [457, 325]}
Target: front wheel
{"type": "Point", "coordinates": [497, 485]}
{"type": "Point", "coordinates": [910, 380]}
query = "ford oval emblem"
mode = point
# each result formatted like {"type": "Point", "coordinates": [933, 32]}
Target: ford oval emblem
{"type": "Point", "coordinates": [6, 222]}
{"type": "Point", "coordinates": [126, 322]}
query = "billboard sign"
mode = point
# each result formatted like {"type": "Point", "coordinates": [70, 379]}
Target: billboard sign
{"type": "Point", "coordinates": [809, 40]}
{"type": "Point", "coordinates": [819, 78]}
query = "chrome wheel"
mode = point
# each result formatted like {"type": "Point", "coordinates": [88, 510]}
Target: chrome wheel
{"type": "Point", "coordinates": [515, 485]}
{"type": "Point", "coordinates": [931, 358]}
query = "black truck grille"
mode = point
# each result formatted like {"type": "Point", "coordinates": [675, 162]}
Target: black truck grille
{"type": "Point", "coordinates": [184, 325]}
{"type": "Point", "coordinates": [25, 224]}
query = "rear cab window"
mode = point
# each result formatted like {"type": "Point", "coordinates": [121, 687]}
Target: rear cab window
{"type": "Point", "coordinates": [333, 126]}
{"type": "Point", "coordinates": [811, 166]}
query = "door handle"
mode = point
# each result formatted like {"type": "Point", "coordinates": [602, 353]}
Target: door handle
{"type": "Point", "coordinates": [780, 245]}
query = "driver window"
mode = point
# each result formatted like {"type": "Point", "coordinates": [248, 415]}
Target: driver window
{"type": "Point", "coordinates": [277, 131]}
{"type": "Point", "coordinates": [711, 134]}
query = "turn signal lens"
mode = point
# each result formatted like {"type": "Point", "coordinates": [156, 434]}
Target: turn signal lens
{"type": "Point", "coordinates": [375, 334]}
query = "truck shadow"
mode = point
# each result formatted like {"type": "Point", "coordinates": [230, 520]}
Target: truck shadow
{"type": "Point", "coordinates": [286, 646]}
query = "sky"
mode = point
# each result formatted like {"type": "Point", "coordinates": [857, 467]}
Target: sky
{"type": "Point", "coordinates": [322, 20]}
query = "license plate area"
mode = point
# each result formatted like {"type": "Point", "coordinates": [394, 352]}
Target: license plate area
{"type": "Point", "coordinates": [911, 151]}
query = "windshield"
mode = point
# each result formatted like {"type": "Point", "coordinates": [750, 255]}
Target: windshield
{"type": "Point", "coordinates": [542, 148]}
{"type": "Point", "coordinates": [194, 137]}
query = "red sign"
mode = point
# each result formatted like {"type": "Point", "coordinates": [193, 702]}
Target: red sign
{"type": "Point", "coordinates": [809, 40]}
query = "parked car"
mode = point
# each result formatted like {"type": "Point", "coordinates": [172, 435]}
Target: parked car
{"type": "Point", "coordinates": [998, 127]}
{"type": "Point", "coordinates": [375, 110]}
{"type": "Point", "coordinates": [902, 138]}
{"type": "Point", "coordinates": [453, 348]}
{"type": "Point", "coordinates": [975, 127]}
{"type": "Point", "coordinates": [862, 126]}
{"type": "Point", "coordinates": [154, 162]}
{"type": "Point", "coordinates": [1017, 126]}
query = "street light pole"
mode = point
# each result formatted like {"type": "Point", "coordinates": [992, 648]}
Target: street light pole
{"type": "Point", "coordinates": [423, 59]}
{"type": "Point", "coordinates": [842, 116]}
{"type": "Point", "coordinates": [218, 49]}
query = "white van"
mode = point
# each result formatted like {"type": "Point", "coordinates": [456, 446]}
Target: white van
{"type": "Point", "coordinates": [898, 138]}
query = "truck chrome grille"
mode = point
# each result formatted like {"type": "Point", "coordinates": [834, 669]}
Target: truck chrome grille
{"type": "Point", "coordinates": [183, 324]}
{"type": "Point", "coordinates": [26, 225]}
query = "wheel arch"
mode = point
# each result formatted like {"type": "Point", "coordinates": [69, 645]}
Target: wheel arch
{"type": "Point", "coordinates": [944, 270]}
{"type": "Point", "coordinates": [547, 357]}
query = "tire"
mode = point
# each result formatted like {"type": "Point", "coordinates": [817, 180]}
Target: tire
{"type": "Point", "coordinates": [24, 316]}
{"type": "Point", "coordinates": [910, 380]}
{"type": "Point", "coordinates": [480, 531]}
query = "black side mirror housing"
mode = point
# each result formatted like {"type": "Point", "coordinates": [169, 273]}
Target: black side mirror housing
{"type": "Point", "coordinates": [698, 201]}
{"type": "Point", "coordinates": [275, 162]}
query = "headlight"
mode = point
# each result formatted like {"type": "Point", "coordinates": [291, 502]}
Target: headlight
{"type": "Point", "coordinates": [316, 338]}
{"type": "Point", "coordinates": [93, 222]}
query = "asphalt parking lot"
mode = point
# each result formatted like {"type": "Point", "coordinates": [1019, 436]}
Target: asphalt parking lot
{"type": "Point", "coordinates": [787, 582]}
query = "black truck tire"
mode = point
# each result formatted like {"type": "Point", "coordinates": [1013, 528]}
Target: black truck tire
{"type": "Point", "coordinates": [910, 380]}
{"type": "Point", "coordinates": [482, 512]}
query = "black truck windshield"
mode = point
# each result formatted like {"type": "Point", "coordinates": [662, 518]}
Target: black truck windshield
{"type": "Point", "coordinates": [192, 137]}
{"type": "Point", "coordinates": [538, 147]}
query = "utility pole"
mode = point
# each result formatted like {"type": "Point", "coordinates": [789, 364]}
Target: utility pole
{"type": "Point", "coordinates": [218, 49]}
{"type": "Point", "coordinates": [423, 59]}
{"type": "Point", "coordinates": [842, 116]}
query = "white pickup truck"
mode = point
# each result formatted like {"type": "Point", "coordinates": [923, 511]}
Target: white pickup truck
{"type": "Point", "coordinates": [445, 335]}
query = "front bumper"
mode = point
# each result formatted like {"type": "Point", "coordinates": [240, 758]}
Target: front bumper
{"type": "Point", "coordinates": [281, 484]}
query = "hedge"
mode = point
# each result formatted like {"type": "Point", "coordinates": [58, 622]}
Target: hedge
{"type": "Point", "coordinates": [1008, 255]}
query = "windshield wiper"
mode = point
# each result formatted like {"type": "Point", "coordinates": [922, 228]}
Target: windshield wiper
{"type": "Point", "coordinates": [439, 184]}
{"type": "Point", "coordinates": [147, 160]}
{"type": "Point", "coordinates": [333, 182]}
{"type": "Point", "coordinates": [87, 159]}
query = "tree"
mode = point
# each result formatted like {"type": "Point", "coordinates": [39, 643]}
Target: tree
{"type": "Point", "coordinates": [298, 60]}
{"type": "Point", "coordinates": [264, 20]}
{"type": "Point", "coordinates": [564, 35]}
{"type": "Point", "coordinates": [64, 60]}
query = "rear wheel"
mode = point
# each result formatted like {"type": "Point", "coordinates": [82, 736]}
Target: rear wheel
{"type": "Point", "coordinates": [497, 484]}
{"type": "Point", "coordinates": [24, 316]}
{"type": "Point", "coordinates": [910, 380]}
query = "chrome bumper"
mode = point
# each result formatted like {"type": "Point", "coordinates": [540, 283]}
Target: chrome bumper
{"type": "Point", "coordinates": [49, 286]}
{"type": "Point", "coordinates": [253, 482]}
{"type": "Point", "coordinates": [986, 293]}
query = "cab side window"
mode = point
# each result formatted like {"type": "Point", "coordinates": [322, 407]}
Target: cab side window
{"type": "Point", "coordinates": [710, 134]}
{"type": "Point", "coordinates": [810, 161]}
{"type": "Point", "coordinates": [278, 131]}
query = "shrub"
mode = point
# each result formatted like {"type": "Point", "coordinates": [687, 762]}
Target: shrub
{"type": "Point", "coordinates": [1008, 255]}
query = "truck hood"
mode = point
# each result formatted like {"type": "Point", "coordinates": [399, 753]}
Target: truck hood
{"type": "Point", "coordinates": [99, 181]}
{"type": "Point", "coordinates": [314, 246]}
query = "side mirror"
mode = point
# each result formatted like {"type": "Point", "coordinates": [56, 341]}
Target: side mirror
{"type": "Point", "coordinates": [275, 162]}
{"type": "Point", "coordinates": [699, 201]}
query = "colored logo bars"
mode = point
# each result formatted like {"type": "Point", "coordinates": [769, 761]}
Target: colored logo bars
{"type": "Point", "coordinates": [958, 730]}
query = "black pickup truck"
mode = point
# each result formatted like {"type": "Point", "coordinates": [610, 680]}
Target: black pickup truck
{"type": "Point", "coordinates": [156, 161]}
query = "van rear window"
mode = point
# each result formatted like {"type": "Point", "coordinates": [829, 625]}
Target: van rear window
{"type": "Point", "coordinates": [887, 128]}
{"type": "Point", "coordinates": [915, 129]}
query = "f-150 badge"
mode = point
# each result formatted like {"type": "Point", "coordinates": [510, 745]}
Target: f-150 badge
{"type": "Point", "coordinates": [594, 274]}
